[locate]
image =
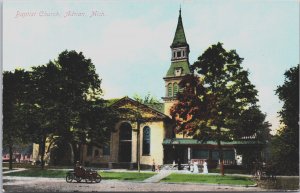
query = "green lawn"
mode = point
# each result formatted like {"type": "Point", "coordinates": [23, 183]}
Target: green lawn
{"type": "Point", "coordinates": [62, 174]}
{"type": "Point", "coordinates": [126, 175]}
{"type": "Point", "coordinates": [210, 179]}
{"type": "Point", "coordinates": [29, 166]}
{"type": "Point", "coordinates": [39, 173]}
{"type": "Point", "coordinates": [229, 171]}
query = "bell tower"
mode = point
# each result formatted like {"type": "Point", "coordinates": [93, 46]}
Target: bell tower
{"type": "Point", "coordinates": [179, 67]}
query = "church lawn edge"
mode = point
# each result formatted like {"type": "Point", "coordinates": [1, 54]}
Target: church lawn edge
{"type": "Point", "coordinates": [132, 176]}
{"type": "Point", "coordinates": [209, 179]}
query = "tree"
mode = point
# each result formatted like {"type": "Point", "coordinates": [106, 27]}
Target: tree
{"type": "Point", "coordinates": [148, 99]}
{"type": "Point", "coordinates": [286, 142]}
{"type": "Point", "coordinates": [218, 101]}
{"type": "Point", "coordinates": [14, 90]}
{"type": "Point", "coordinates": [43, 115]}
{"type": "Point", "coordinates": [84, 117]}
{"type": "Point", "coordinates": [59, 102]}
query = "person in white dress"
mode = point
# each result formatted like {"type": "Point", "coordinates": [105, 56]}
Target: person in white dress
{"type": "Point", "coordinates": [205, 170]}
{"type": "Point", "coordinates": [195, 166]}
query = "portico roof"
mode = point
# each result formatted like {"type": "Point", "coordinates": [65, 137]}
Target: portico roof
{"type": "Point", "coordinates": [188, 141]}
{"type": "Point", "coordinates": [134, 109]}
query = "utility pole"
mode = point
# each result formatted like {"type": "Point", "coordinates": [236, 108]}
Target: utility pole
{"type": "Point", "coordinates": [138, 145]}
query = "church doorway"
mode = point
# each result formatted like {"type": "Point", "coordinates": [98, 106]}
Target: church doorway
{"type": "Point", "coordinates": [125, 142]}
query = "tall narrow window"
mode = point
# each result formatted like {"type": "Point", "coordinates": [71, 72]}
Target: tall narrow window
{"type": "Point", "coordinates": [175, 89]}
{"type": "Point", "coordinates": [106, 149]}
{"type": "Point", "coordinates": [173, 54]}
{"type": "Point", "coordinates": [183, 53]}
{"type": "Point", "coordinates": [169, 89]}
{"type": "Point", "coordinates": [146, 140]}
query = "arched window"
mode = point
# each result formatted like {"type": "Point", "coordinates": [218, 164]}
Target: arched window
{"type": "Point", "coordinates": [170, 90]}
{"type": "Point", "coordinates": [175, 89]}
{"type": "Point", "coordinates": [125, 132]}
{"type": "Point", "coordinates": [146, 140]}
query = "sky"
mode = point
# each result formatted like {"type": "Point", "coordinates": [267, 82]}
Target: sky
{"type": "Point", "coordinates": [129, 41]}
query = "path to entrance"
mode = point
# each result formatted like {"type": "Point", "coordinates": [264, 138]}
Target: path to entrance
{"type": "Point", "coordinates": [161, 175]}
{"type": "Point", "coordinates": [14, 170]}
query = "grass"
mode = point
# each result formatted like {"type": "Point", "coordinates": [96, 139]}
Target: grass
{"type": "Point", "coordinates": [229, 171]}
{"type": "Point", "coordinates": [135, 176]}
{"type": "Point", "coordinates": [29, 165]}
{"type": "Point", "coordinates": [210, 179]}
{"type": "Point", "coordinates": [39, 173]}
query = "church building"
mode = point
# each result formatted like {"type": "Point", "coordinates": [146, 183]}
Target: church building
{"type": "Point", "coordinates": [152, 138]}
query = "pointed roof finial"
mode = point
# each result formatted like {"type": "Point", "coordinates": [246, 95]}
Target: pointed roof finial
{"type": "Point", "coordinates": [179, 9]}
{"type": "Point", "coordinates": [179, 38]}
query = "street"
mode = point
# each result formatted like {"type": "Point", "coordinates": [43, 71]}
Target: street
{"type": "Point", "coordinates": [30, 184]}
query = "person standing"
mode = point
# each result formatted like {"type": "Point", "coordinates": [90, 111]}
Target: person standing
{"type": "Point", "coordinates": [153, 166]}
{"type": "Point", "coordinates": [195, 167]}
{"type": "Point", "coordinates": [205, 170]}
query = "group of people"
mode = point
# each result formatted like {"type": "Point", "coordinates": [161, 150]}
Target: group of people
{"type": "Point", "coordinates": [195, 168]}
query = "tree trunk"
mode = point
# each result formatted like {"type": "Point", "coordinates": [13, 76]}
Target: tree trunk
{"type": "Point", "coordinates": [80, 153]}
{"type": "Point", "coordinates": [42, 153]}
{"type": "Point", "coordinates": [221, 157]}
{"type": "Point", "coordinates": [138, 147]}
{"type": "Point", "coordinates": [76, 153]}
{"type": "Point", "coordinates": [10, 147]}
{"type": "Point", "coordinates": [220, 152]}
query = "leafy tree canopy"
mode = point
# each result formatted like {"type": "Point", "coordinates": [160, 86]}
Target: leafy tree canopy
{"type": "Point", "coordinates": [61, 101]}
{"type": "Point", "coordinates": [285, 145]}
{"type": "Point", "coordinates": [148, 99]}
{"type": "Point", "coordinates": [218, 101]}
{"type": "Point", "coordinates": [14, 109]}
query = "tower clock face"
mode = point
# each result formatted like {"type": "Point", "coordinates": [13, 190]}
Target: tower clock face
{"type": "Point", "coordinates": [178, 71]}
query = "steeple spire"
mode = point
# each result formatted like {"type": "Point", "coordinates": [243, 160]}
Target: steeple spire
{"type": "Point", "coordinates": [179, 67]}
{"type": "Point", "coordinates": [180, 11]}
{"type": "Point", "coordinates": [179, 38]}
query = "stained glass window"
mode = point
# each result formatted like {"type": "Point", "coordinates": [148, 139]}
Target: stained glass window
{"type": "Point", "coordinates": [146, 140]}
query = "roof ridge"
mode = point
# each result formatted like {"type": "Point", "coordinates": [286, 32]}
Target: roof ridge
{"type": "Point", "coordinates": [130, 99]}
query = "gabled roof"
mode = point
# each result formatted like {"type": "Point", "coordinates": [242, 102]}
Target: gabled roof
{"type": "Point", "coordinates": [148, 113]}
{"type": "Point", "coordinates": [179, 38]}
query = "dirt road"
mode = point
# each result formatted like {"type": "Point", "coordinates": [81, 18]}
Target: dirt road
{"type": "Point", "coordinates": [26, 184]}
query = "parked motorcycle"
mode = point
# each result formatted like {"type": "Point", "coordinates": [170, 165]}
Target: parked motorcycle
{"type": "Point", "coordinates": [81, 173]}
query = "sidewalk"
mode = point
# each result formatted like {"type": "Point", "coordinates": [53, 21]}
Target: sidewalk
{"type": "Point", "coordinates": [161, 175]}
{"type": "Point", "coordinates": [14, 170]}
